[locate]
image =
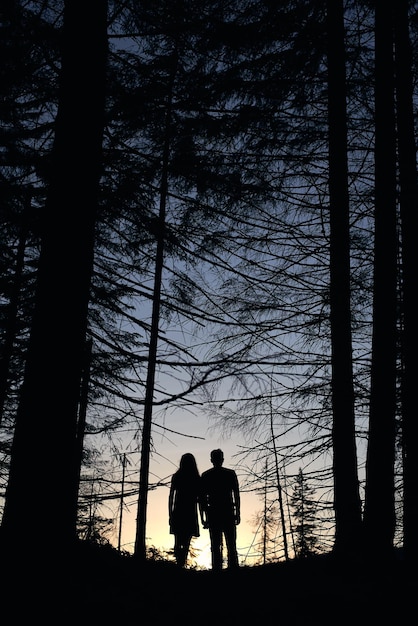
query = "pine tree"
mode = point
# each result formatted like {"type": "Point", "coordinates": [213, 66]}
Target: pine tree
{"type": "Point", "coordinates": [303, 505]}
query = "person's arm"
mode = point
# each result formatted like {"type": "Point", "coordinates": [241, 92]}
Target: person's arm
{"type": "Point", "coordinates": [203, 505]}
{"type": "Point", "coordinates": [237, 501]}
{"type": "Point", "coordinates": [203, 515]}
{"type": "Point", "coordinates": [171, 501]}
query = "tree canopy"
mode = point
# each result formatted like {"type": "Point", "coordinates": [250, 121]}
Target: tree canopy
{"type": "Point", "coordinates": [221, 198]}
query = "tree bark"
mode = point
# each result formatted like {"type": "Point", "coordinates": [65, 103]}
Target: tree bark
{"type": "Point", "coordinates": [408, 213]}
{"type": "Point", "coordinates": [40, 492]}
{"type": "Point", "coordinates": [347, 505]}
{"type": "Point", "coordinates": [379, 512]}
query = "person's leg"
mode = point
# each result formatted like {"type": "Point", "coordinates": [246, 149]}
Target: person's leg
{"type": "Point", "coordinates": [216, 547]}
{"type": "Point", "coordinates": [181, 556]}
{"type": "Point", "coordinates": [182, 548]}
{"type": "Point", "coordinates": [177, 549]}
{"type": "Point", "coordinates": [185, 548]}
{"type": "Point", "coordinates": [231, 545]}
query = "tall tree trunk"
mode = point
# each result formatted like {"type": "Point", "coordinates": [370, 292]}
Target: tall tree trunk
{"type": "Point", "coordinates": [379, 513]}
{"type": "Point", "coordinates": [12, 313]}
{"type": "Point", "coordinates": [140, 550]}
{"type": "Point", "coordinates": [39, 508]}
{"type": "Point", "coordinates": [409, 340]}
{"type": "Point", "coordinates": [279, 486]}
{"type": "Point", "coordinates": [347, 504]}
{"type": "Point", "coordinates": [81, 423]}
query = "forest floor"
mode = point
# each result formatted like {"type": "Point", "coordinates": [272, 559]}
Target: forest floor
{"type": "Point", "coordinates": [104, 588]}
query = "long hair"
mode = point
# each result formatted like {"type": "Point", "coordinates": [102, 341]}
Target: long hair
{"type": "Point", "coordinates": [188, 466]}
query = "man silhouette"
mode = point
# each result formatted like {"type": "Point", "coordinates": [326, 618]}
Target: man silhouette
{"type": "Point", "coordinates": [220, 509]}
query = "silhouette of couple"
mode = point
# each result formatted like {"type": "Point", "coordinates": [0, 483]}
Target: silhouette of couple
{"type": "Point", "coordinates": [216, 494]}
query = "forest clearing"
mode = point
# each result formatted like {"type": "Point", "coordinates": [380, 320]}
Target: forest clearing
{"type": "Point", "coordinates": [232, 240]}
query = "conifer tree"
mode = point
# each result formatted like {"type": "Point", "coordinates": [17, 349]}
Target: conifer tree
{"type": "Point", "coordinates": [346, 491]}
{"type": "Point", "coordinates": [379, 508]}
{"type": "Point", "coordinates": [304, 506]}
{"type": "Point", "coordinates": [55, 353]}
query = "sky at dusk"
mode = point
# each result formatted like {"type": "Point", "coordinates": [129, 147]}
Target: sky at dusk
{"type": "Point", "coordinates": [164, 462]}
{"type": "Point", "coordinates": [180, 428]}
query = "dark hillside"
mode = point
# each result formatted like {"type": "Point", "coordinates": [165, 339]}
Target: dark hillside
{"type": "Point", "coordinates": [102, 587]}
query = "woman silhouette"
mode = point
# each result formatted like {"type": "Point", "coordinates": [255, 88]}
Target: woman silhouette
{"type": "Point", "coordinates": [182, 506]}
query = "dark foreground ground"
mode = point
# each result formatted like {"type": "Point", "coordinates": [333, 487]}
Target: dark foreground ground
{"type": "Point", "coordinates": [102, 588]}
